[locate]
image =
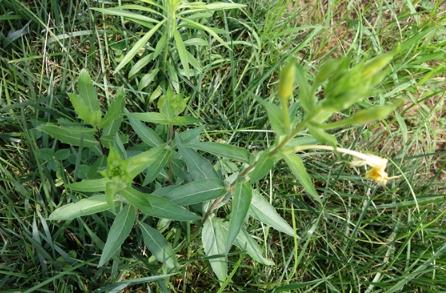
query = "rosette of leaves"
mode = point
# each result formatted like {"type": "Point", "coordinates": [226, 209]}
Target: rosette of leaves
{"type": "Point", "coordinates": [176, 29]}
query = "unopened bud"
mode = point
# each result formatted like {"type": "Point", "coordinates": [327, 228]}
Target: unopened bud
{"type": "Point", "coordinates": [286, 83]}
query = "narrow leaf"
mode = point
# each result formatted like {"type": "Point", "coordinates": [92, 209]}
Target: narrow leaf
{"type": "Point", "coordinates": [146, 134]}
{"type": "Point", "coordinates": [155, 169]}
{"type": "Point", "coordinates": [87, 91]}
{"type": "Point", "coordinates": [158, 246]}
{"type": "Point", "coordinates": [87, 206]}
{"type": "Point", "coordinates": [138, 45]}
{"type": "Point", "coordinates": [159, 118]}
{"type": "Point", "coordinates": [209, 30]}
{"type": "Point", "coordinates": [264, 164]}
{"type": "Point", "coordinates": [299, 171]}
{"type": "Point", "coordinates": [223, 150]}
{"type": "Point", "coordinates": [196, 191]}
{"type": "Point", "coordinates": [214, 237]}
{"type": "Point", "coordinates": [140, 162]}
{"type": "Point", "coordinates": [263, 211]}
{"type": "Point", "coordinates": [120, 229]}
{"type": "Point", "coordinates": [241, 202]}
{"type": "Point", "coordinates": [88, 185]}
{"type": "Point", "coordinates": [157, 206]}
{"type": "Point", "coordinates": [275, 117]}
{"type": "Point", "coordinates": [112, 120]}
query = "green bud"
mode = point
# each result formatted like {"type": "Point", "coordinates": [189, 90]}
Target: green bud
{"type": "Point", "coordinates": [376, 65]}
{"type": "Point", "coordinates": [286, 82]}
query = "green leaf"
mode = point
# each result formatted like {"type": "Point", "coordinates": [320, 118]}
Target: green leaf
{"type": "Point", "coordinates": [147, 79]}
{"type": "Point", "coordinates": [299, 171]}
{"type": "Point", "coordinates": [158, 246]}
{"type": "Point", "coordinates": [198, 167]}
{"type": "Point", "coordinates": [246, 242]}
{"type": "Point", "coordinates": [223, 150]}
{"type": "Point", "coordinates": [275, 117]}
{"type": "Point", "coordinates": [241, 202]}
{"type": "Point", "coordinates": [83, 112]}
{"type": "Point", "coordinates": [140, 162]}
{"type": "Point", "coordinates": [79, 136]}
{"type": "Point", "coordinates": [87, 206]}
{"type": "Point", "coordinates": [209, 30]}
{"type": "Point", "coordinates": [214, 236]}
{"type": "Point", "coordinates": [112, 120]}
{"type": "Point", "coordinates": [156, 168]}
{"type": "Point", "coordinates": [138, 45]}
{"type": "Point", "coordinates": [87, 92]}
{"type": "Point", "coordinates": [306, 94]}
{"type": "Point", "coordinates": [196, 191]}
{"type": "Point", "coordinates": [182, 52]}
{"type": "Point", "coordinates": [146, 134]}
{"type": "Point", "coordinates": [140, 64]}
{"type": "Point", "coordinates": [157, 206]}
{"type": "Point", "coordinates": [159, 118]}
{"type": "Point", "coordinates": [88, 185]}
{"type": "Point", "coordinates": [265, 163]}
{"type": "Point", "coordinates": [129, 15]}
{"type": "Point", "coordinates": [263, 211]}
{"type": "Point", "coordinates": [120, 229]}
{"type": "Point", "coordinates": [322, 136]}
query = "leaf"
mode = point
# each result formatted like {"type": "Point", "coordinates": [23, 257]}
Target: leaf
{"type": "Point", "coordinates": [157, 206]}
{"type": "Point", "coordinates": [87, 206]}
{"type": "Point", "coordinates": [322, 136]}
{"type": "Point", "coordinates": [138, 45]}
{"type": "Point", "coordinates": [127, 14]}
{"type": "Point", "coordinates": [182, 52]}
{"type": "Point", "coordinates": [275, 117]}
{"type": "Point", "coordinates": [306, 94]}
{"type": "Point", "coordinates": [147, 79]}
{"type": "Point", "coordinates": [214, 236]}
{"type": "Point", "coordinates": [264, 164]}
{"type": "Point", "coordinates": [120, 286]}
{"type": "Point", "coordinates": [198, 167]}
{"type": "Point", "coordinates": [79, 136]}
{"type": "Point", "coordinates": [140, 65]}
{"type": "Point", "coordinates": [159, 118]}
{"type": "Point", "coordinates": [223, 150]}
{"type": "Point", "coordinates": [144, 160]}
{"type": "Point", "coordinates": [120, 229]}
{"type": "Point", "coordinates": [146, 134]}
{"type": "Point", "coordinates": [83, 112]}
{"type": "Point", "coordinates": [156, 168]}
{"type": "Point", "coordinates": [241, 202]}
{"type": "Point", "coordinates": [87, 91]}
{"type": "Point", "coordinates": [209, 30]}
{"type": "Point", "coordinates": [263, 211]}
{"type": "Point", "coordinates": [112, 120]}
{"type": "Point", "coordinates": [246, 242]}
{"type": "Point", "coordinates": [158, 246]}
{"type": "Point", "coordinates": [88, 185]}
{"type": "Point", "coordinates": [196, 191]}
{"type": "Point", "coordinates": [299, 171]}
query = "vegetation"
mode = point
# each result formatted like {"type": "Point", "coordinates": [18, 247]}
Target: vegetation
{"type": "Point", "coordinates": [219, 147]}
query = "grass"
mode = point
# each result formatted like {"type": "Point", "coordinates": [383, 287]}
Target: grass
{"type": "Point", "coordinates": [365, 238]}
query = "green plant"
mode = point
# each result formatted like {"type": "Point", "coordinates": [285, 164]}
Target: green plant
{"type": "Point", "coordinates": [166, 177]}
{"type": "Point", "coordinates": [174, 27]}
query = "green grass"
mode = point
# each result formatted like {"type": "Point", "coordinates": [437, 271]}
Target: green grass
{"type": "Point", "coordinates": [365, 238]}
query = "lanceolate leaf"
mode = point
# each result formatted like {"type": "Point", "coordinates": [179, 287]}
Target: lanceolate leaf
{"type": "Point", "coordinates": [198, 167]}
{"type": "Point", "coordinates": [214, 238]}
{"type": "Point", "coordinates": [209, 30]}
{"type": "Point", "coordinates": [87, 91]}
{"type": "Point", "coordinates": [196, 191]}
{"type": "Point", "coordinates": [182, 52]}
{"type": "Point", "coordinates": [88, 185]}
{"type": "Point", "coordinates": [120, 229]}
{"type": "Point", "coordinates": [241, 201]}
{"type": "Point", "coordinates": [155, 169]}
{"type": "Point", "coordinates": [157, 206]}
{"type": "Point", "coordinates": [299, 171]}
{"type": "Point", "coordinates": [224, 150]}
{"type": "Point", "coordinates": [246, 242]}
{"type": "Point", "coordinates": [139, 44]}
{"type": "Point", "coordinates": [79, 136]}
{"type": "Point", "coordinates": [275, 117]}
{"type": "Point", "coordinates": [159, 118]}
{"type": "Point", "coordinates": [83, 112]}
{"type": "Point", "coordinates": [145, 133]}
{"type": "Point", "coordinates": [263, 211]}
{"type": "Point", "coordinates": [158, 246]}
{"type": "Point", "coordinates": [140, 162]}
{"type": "Point", "coordinates": [264, 164]}
{"type": "Point", "coordinates": [112, 120]}
{"type": "Point", "coordinates": [127, 14]}
{"type": "Point", "coordinates": [87, 206]}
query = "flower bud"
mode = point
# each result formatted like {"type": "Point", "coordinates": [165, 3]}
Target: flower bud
{"type": "Point", "coordinates": [286, 83]}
